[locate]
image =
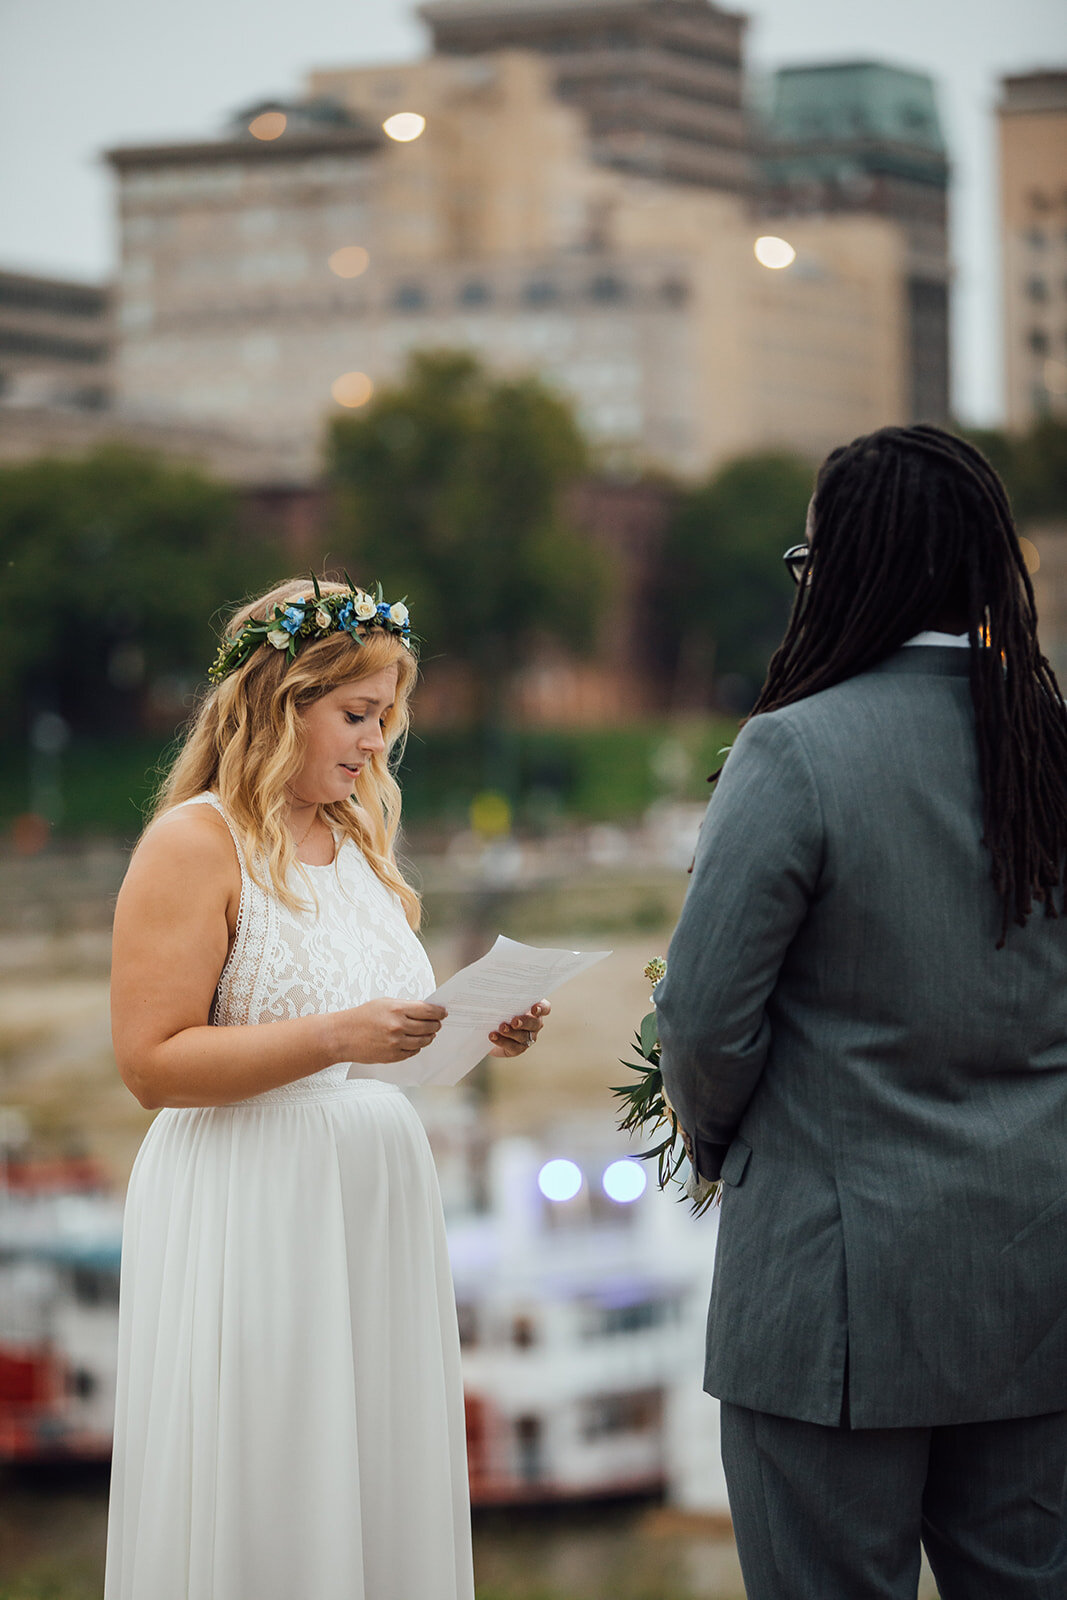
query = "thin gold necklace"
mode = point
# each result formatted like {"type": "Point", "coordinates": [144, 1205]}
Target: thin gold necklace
{"type": "Point", "coordinates": [314, 818]}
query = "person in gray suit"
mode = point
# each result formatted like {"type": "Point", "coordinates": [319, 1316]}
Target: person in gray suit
{"type": "Point", "coordinates": [864, 1036]}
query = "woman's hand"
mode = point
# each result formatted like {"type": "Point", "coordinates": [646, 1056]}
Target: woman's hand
{"type": "Point", "coordinates": [387, 1030]}
{"type": "Point", "coordinates": [514, 1037]}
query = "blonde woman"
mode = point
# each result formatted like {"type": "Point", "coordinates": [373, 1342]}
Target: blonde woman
{"type": "Point", "coordinates": [290, 1415]}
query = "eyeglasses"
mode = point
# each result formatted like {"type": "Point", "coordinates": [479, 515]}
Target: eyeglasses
{"type": "Point", "coordinates": [796, 559]}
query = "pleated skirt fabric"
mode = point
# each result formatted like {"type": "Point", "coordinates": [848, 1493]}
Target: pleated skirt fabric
{"type": "Point", "coordinates": [290, 1415]}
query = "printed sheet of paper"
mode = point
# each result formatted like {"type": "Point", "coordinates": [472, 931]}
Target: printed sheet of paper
{"type": "Point", "coordinates": [504, 983]}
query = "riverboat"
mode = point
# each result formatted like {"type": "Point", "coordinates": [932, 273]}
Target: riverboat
{"type": "Point", "coordinates": [60, 1238]}
{"type": "Point", "coordinates": [581, 1293]}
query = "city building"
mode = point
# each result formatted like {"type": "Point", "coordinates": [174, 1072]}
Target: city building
{"type": "Point", "coordinates": [1032, 121]}
{"type": "Point", "coordinates": [661, 85]}
{"type": "Point", "coordinates": [55, 342]}
{"type": "Point", "coordinates": [223, 251]}
{"type": "Point", "coordinates": [865, 138]}
{"type": "Point", "coordinates": [268, 282]}
{"type": "Point", "coordinates": [57, 390]}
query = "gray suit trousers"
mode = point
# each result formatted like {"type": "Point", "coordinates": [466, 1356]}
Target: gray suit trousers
{"type": "Point", "coordinates": [823, 1513]}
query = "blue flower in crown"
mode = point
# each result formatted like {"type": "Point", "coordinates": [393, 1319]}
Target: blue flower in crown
{"type": "Point", "coordinates": [383, 608]}
{"type": "Point", "coordinates": [346, 617]}
{"type": "Point", "coordinates": [291, 619]}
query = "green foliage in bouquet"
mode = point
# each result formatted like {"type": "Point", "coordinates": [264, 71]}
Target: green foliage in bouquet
{"type": "Point", "coordinates": [647, 1111]}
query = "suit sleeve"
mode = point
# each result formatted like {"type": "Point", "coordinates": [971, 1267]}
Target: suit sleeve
{"type": "Point", "coordinates": [754, 877]}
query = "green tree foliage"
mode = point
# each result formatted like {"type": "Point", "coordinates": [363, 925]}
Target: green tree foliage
{"type": "Point", "coordinates": [449, 490]}
{"type": "Point", "coordinates": [728, 592]}
{"type": "Point", "coordinates": [112, 568]}
{"type": "Point", "coordinates": [1033, 466]}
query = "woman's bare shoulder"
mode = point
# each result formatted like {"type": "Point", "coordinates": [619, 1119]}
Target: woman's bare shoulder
{"type": "Point", "coordinates": [188, 842]}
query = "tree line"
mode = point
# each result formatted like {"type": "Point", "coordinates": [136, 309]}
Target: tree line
{"type": "Point", "coordinates": [451, 488]}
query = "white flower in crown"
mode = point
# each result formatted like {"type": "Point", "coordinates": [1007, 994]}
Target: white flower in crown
{"type": "Point", "coordinates": [279, 639]}
{"type": "Point", "coordinates": [398, 613]}
{"type": "Point", "coordinates": [364, 607]}
{"type": "Point", "coordinates": [323, 620]}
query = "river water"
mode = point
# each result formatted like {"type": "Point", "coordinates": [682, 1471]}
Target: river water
{"type": "Point", "coordinates": [52, 1528]}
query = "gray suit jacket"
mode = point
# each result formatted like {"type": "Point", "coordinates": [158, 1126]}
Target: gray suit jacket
{"type": "Point", "coordinates": [883, 1091]}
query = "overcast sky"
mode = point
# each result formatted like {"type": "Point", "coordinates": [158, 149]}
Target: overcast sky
{"type": "Point", "coordinates": [77, 76]}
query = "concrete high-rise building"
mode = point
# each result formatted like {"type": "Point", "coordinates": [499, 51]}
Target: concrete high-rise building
{"type": "Point", "coordinates": [659, 82]}
{"type": "Point", "coordinates": [57, 385]}
{"type": "Point", "coordinates": [267, 283]}
{"type": "Point", "coordinates": [55, 342]}
{"type": "Point", "coordinates": [866, 138]}
{"type": "Point", "coordinates": [1032, 120]}
{"type": "Point", "coordinates": [227, 310]}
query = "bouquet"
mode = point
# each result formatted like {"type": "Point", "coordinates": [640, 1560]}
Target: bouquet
{"type": "Point", "coordinates": [646, 1110]}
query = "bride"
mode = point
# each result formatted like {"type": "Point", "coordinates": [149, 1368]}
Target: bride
{"type": "Point", "coordinates": [290, 1414]}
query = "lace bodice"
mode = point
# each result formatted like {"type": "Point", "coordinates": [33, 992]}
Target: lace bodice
{"type": "Point", "coordinates": [354, 946]}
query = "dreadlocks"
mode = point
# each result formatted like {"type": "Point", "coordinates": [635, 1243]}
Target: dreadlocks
{"type": "Point", "coordinates": [910, 523]}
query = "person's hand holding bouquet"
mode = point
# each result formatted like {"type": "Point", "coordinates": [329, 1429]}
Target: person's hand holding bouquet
{"type": "Point", "coordinates": [647, 1110]}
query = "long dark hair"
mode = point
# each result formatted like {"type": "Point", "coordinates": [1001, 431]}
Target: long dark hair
{"type": "Point", "coordinates": [909, 523]}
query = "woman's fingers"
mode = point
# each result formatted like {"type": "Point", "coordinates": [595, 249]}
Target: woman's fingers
{"type": "Point", "coordinates": [422, 1010]}
{"type": "Point", "coordinates": [521, 1031]}
{"type": "Point", "coordinates": [422, 1021]}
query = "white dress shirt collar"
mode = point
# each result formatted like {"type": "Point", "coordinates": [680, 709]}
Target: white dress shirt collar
{"type": "Point", "coordinates": [951, 641]}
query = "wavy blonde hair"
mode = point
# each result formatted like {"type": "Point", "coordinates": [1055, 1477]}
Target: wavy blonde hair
{"type": "Point", "coordinates": [246, 743]}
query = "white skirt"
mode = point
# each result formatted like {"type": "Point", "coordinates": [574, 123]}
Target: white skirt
{"type": "Point", "coordinates": [289, 1421]}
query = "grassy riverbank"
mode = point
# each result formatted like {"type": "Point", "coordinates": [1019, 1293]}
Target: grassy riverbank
{"type": "Point", "coordinates": [608, 774]}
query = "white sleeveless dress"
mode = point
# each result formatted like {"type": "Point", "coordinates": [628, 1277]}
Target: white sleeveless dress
{"type": "Point", "coordinates": [289, 1421]}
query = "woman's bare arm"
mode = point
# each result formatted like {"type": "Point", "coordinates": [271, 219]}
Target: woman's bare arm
{"type": "Point", "coordinates": [173, 924]}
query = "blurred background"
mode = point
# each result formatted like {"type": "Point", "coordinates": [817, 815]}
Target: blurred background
{"type": "Point", "coordinates": [543, 312]}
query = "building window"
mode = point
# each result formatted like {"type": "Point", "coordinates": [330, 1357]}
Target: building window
{"type": "Point", "coordinates": [640, 1411]}
{"type": "Point", "coordinates": [530, 1445]}
{"type": "Point", "coordinates": [1037, 339]}
{"type": "Point", "coordinates": [59, 298]}
{"type": "Point", "coordinates": [49, 346]}
{"type": "Point", "coordinates": [673, 292]}
{"type": "Point", "coordinates": [409, 297]}
{"type": "Point", "coordinates": [1037, 289]}
{"type": "Point", "coordinates": [540, 292]}
{"type": "Point", "coordinates": [475, 293]}
{"type": "Point", "coordinates": [1036, 238]}
{"type": "Point", "coordinates": [523, 1332]}
{"type": "Point", "coordinates": [1039, 201]}
{"type": "Point", "coordinates": [92, 1288]}
{"type": "Point", "coordinates": [600, 1322]}
{"type": "Point", "coordinates": [913, 116]}
{"type": "Point", "coordinates": [607, 288]}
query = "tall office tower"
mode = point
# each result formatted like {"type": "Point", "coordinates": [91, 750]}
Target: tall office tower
{"type": "Point", "coordinates": [865, 137]}
{"type": "Point", "coordinates": [659, 81]}
{"type": "Point", "coordinates": [1032, 118]}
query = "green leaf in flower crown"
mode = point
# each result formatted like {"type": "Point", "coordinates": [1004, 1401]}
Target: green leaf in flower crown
{"type": "Point", "coordinates": [315, 586]}
{"type": "Point", "coordinates": [649, 1033]}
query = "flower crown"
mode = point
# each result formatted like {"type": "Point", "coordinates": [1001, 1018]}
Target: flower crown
{"type": "Point", "coordinates": [313, 617]}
